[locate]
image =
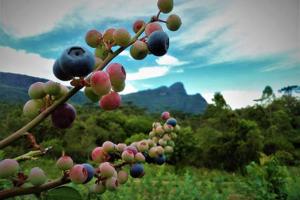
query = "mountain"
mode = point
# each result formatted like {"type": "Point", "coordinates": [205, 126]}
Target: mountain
{"type": "Point", "coordinates": [167, 98]}
{"type": "Point", "coordinates": [13, 88]}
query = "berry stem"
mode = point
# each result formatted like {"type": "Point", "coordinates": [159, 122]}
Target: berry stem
{"type": "Point", "coordinates": [33, 190]}
{"type": "Point", "coordinates": [31, 155]}
{"type": "Point", "coordinates": [43, 115]}
{"type": "Point", "coordinates": [160, 20]}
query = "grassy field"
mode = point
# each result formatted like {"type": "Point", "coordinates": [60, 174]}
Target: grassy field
{"type": "Point", "coordinates": [169, 183]}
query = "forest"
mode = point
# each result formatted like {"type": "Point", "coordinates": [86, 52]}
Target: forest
{"type": "Point", "coordinates": [247, 153]}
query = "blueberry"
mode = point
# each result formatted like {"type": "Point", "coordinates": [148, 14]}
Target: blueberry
{"type": "Point", "coordinates": [77, 61]}
{"type": "Point", "coordinates": [172, 122]}
{"type": "Point", "coordinates": [59, 73]}
{"type": "Point", "coordinates": [90, 170]}
{"type": "Point", "coordinates": [161, 159]}
{"type": "Point", "coordinates": [158, 43]}
{"type": "Point", "coordinates": [137, 171]}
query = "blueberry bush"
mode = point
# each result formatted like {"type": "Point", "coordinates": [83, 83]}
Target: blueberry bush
{"type": "Point", "coordinates": [86, 70]}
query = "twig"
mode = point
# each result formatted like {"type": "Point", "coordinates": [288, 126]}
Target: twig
{"type": "Point", "coordinates": [33, 190]}
{"type": "Point", "coordinates": [31, 155]}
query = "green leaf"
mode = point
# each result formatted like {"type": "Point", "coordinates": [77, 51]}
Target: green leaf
{"type": "Point", "coordinates": [63, 192]}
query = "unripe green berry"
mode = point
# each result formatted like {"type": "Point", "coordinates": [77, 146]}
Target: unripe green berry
{"type": "Point", "coordinates": [121, 37]}
{"type": "Point", "coordinates": [37, 176]}
{"type": "Point", "coordinates": [90, 94]}
{"type": "Point", "coordinates": [173, 22]}
{"type": "Point", "coordinates": [139, 50]}
{"type": "Point", "coordinates": [32, 108]}
{"type": "Point", "coordinates": [165, 6]}
{"type": "Point", "coordinates": [52, 88]}
{"type": "Point", "coordinates": [122, 177]}
{"type": "Point", "coordinates": [8, 167]}
{"type": "Point", "coordinates": [111, 183]}
{"type": "Point", "coordinates": [169, 149]}
{"type": "Point", "coordinates": [36, 90]}
{"type": "Point", "coordinates": [93, 38]}
{"type": "Point", "coordinates": [98, 188]}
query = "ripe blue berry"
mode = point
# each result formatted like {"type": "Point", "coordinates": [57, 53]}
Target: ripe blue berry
{"type": "Point", "coordinates": [63, 116]}
{"type": "Point", "coordinates": [59, 73]}
{"type": "Point", "coordinates": [172, 122]}
{"type": "Point", "coordinates": [158, 43]}
{"type": "Point", "coordinates": [90, 171]}
{"type": "Point", "coordinates": [77, 61]}
{"type": "Point", "coordinates": [137, 171]}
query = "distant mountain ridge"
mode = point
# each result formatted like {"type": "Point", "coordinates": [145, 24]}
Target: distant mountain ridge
{"type": "Point", "coordinates": [168, 98]}
{"type": "Point", "coordinates": [13, 88]}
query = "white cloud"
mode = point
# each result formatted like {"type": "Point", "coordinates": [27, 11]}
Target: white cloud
{"type": "Point", "coordinates": [33, 17]}
{"type": "Point", "coordinates": [30, 64]}
{"type": "Point", "coordinates": [147, 73]}
{"type": "Point", "coordinates": [236, 98]}
{"type": "Point", "coordinates": [256, 28]}
{"type": "Point", "coordinates": [129, 88]}
{"type": "Point", "coordinates": [169, 61]}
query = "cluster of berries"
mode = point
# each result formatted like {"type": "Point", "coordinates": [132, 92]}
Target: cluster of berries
{"type": "Point", "coordinates": [110, 159]}
{"type": "Point", "coordinates": [42, 96]}
{"type": "Point", "coordinates": [103, 86]}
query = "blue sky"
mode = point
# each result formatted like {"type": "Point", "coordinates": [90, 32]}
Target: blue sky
{"type": "Point", "coordinates": [233, 46]}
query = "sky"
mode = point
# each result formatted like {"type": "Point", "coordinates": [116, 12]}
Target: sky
{"type": "Point", "coordinates": [235, 47]}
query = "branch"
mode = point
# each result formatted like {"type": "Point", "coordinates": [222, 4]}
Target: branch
{"type": "Point", "coordinates": [31, 155]}
{"type": "Point", "coordinates": [33, 190]}
{"type": "Point", "coordinates": [43, 115]}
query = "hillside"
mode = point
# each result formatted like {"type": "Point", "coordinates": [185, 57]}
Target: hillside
{"type": "Point", "coordinates": [13, 88]}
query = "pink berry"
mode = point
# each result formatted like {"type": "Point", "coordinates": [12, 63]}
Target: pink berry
{"type": "Point", "coordinates": [37, 176]}
{"type": "Point", "coordinates": [106, 170]}
{"type": "Point", "coordinates": [110, 101]}
{"type": "Point", "coordinates": [132, 148]}
{"type": "Point", "coordinates": [138, 24]}
{"type": "Point", "coordinates": [128, 156]}
{"type": "Point", "coordinates": [8, 167]}
{"type": "Point", "coordinates": [142, 146]}
{"type": "Point", "coordinates": [152, 152]}
{"type": "Point", "coordinates": [99, 155]}
{"type": "Point", "coordinates": [100, 83]}
{"type": "Point", "coordinates": [152, 27]}
{"type": "Point", "coordinates": [160, 150]}
{"type": "Point", "coordinates": [117, 74]}
{"type": "Point", "coordinates": [122, 177]}
{"type": "Point", "coordinates": [64, 163]}
{"type": "Point", "coordinates": [139, 157]}
{"type": "Point", "coordinates": [108, 146]}
{"type": "Point", "coordinates": [168, 128]}
{"type": "Point", "coordinates": [121, 146]}
{"type": "Point", "coordinates": [78, 174]}
{"type": "Point", "coordinates": [93, 38]}
{"type": "Point", "coordinates": [165, 115]}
